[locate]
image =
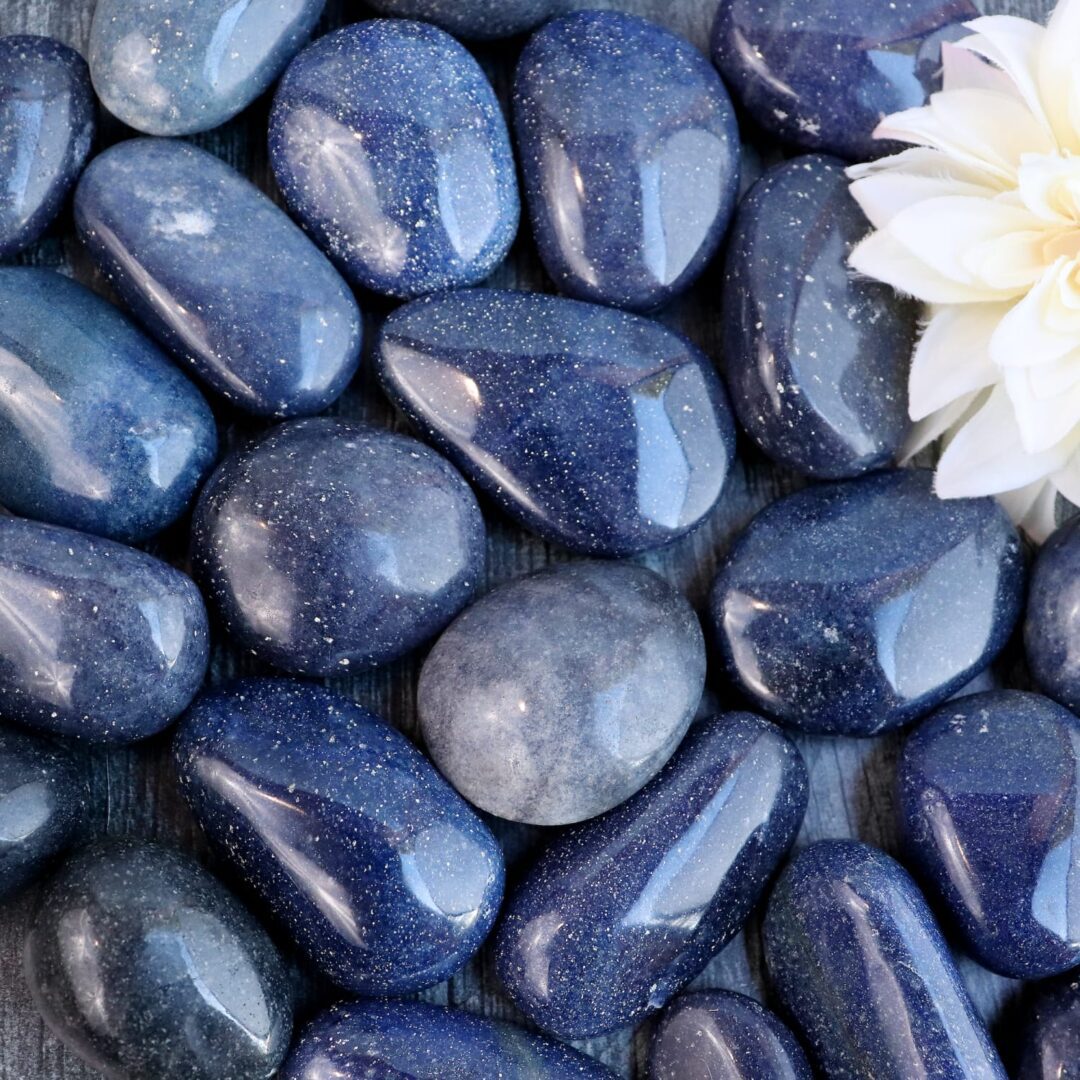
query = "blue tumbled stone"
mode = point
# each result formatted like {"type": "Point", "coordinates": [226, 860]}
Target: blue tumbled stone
{"type": "Point", "coordinates": [861, 969]}
{"type": "Point", "coordinates": [620, 913]}
{"type": "Point", "coordinates": [1051, 1042]}
{"type": "Point", "coordinates": [855, 607]}
{"type": "Point", "coordinates": [815, 358]}
{"type": "Point", "coordinates": [481, 20]}
{"type": "Point", "coordinates": [220, 276]}
{"type": "Point", "coordinates": [1052, 621]}
{"type": "Point", "coordinates": [601, 431]}
{"type": "Point", "coordinates": [630, 156]}
{"type": "Point", "coordinates": [389, 146]}
{"type": "Point", "coordinates": [98, 430]}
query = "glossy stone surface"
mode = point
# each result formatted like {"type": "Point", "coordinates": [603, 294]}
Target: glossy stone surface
{"type": "Point", "coordinates": [46, 128]}
{"type": "Point", "coordinates": [630, 157]}
{"type": "Point", "coordinates": [1051, 1049]}
{"type": "Point", "coordinates": [169, 67]}
{"type": "Point", "coordinates": [717, 1035]}
{"type": "Point", "coordinates": [98, 430]}
{"type": "Point", "coordinates": [556, 696]}
{"type": "Point", "coordinates": [601, 431]}
{"type": "Point", "coordinates": [822, 73]}
{"type": "Point", "coordinates": [482, 20]}
{"type": "Point", "coordinates": [620, 913]}
{"type": "Point", "coordinates": [97, 640]}
{"type": "Point", "coordinates": [389, 146]}
{"type": "Point", "coordinates": [331, 545]}
{"type": "Point", "coordinates": [815, 358]}
{"type": "Point", "coordinates": [1052, 622]}
{"type": "Point", "coordinates": [220, 276]}
{"type": "Point", "coordinates": [147, 967]}
{"type": "Point", "coordinates": [408, 1040]}
{"type": "Point", "coordinates": [855, 607]}
{"type": "Point", "coordinates": [860, 967]}
{"type": "Point", "coordinates": [372, 862]}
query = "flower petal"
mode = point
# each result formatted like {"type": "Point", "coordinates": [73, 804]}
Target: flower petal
{"type": "Point", "coordinates": [1059, 62]}
{"type": "Point", "coordinates": [1014, 45]}
{"type": "Point", "coordinates": [1025, 337]}
{"type": "Point", "coordinates": [883, 194]}
{"type": "Point", "coordinates": [962, 69]}
{"type": "Point", "coordinates": [930, 429]}
{"type": "Point", "coordinates": [1043, 422]}
{"type": "Point", "coordinates": [1033, 508]}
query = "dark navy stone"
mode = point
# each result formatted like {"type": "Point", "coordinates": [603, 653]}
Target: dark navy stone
{"type": "Point", "coordinates": [483, 20]}
{"type": "Point", "coordinates": [390, 147]}
{"type": "Point", "coordinates": [630, 156]}
{"type": "Point", "coordinates": [220, 276]}
{"type": "Point", "coordinates": [1052, 623]}
{"type": "Point", "coordinates": [860, 967]}
{"type": "Point", "coordinates": [988, 791]}
{"type": "Point", "coordinates": [332, 545]}
{"type": "Point", "coordinates": [46, 128]}
{"type": "Point", "coordinates": [1051, 1048]}
{"type": "Point", "coordinates": [97, 640]}
{"type": "Point", "coordinates": [822, 73]}
{"type": "Point", "coordinates": [408, 1040]}
{"type": "Point", "coordinates": [558, 695]}
{"type": "Point", "coordinates": [815, 358]}
{"type": "Point", "coordinates": [147, 967]}
{"type": "Point", "coordinates": [373, 863]}
{"type": "Point", "coordinates": [98, 430]}
{"type": "Point", "coordinates": [855, 607]}
{"type": "Point", "coordinates": [601, 431]}
{"type": "Point", "coordinates": [620, 913]}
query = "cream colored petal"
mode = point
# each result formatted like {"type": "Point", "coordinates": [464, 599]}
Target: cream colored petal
{"type": "Point", "coordinates": [1023, 337]}
{"type": "Point", "coordinates": [962, 69]}
{"type": "Point", "coordinates": [1059, 377]}
{"type": "Point", "coordinates": [1042, 421]}
{"type": "Point", "coordinates": [1014, 45]}
{"type": "Point", "coordinates": [1033, 508]}
{"type": "Point", "coordinates": [1049, 186]}
{"type": "Point", "coordinates": [933, 427]}
{"type": "Point", "coordinates": [1058, 66]}
{"type": "Point", "coordinates": [883, 195]}
{"type": "Point", "coordinates": [1067, 479]}
{"type": "Point", "coordinates": [1012, 263]}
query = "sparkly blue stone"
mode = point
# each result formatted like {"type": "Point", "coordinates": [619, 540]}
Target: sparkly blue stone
{"type": "Point", "coordinates": [988, 788]}
{"type": "Point", "coordinates": [332, 545]}
{"type": "Point", "coordinates": [855, 607]}
{"type": "Point", "coordinates": [97, 640]}
{"type": "Point", "coordinates": [620, 913]}
{"type": "Point", "coordinates": [98, 430]}
{"type": "Point", "coordinates": [630, 156]}
{"type": "Point", "coordinates": [390, 147]}
{"type": "Point", "coordinates": [1051, 1046]}
{"type": "Point", "coordinates": [220, 276]}
{"type": "Point", "coordinates": [601, 431]}
{"type": "Point", "coordinates": [375, 866]}
{"type": "Point", "coordinates": [816, 359]}
{"type": "Point", "coordinates": [482, 20]}
{"type": "Point", "coordinates": [46, 127]}
{"type": "Point", "coordinates": [1052, 623]}
{"type": "Point", "coordinates": [822, 73]}
{"type": "Point", "coordinates": [860, 967]}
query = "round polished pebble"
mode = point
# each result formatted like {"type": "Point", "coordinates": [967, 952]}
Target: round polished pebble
{"type": "Point", "coordinates": [855, 607]}
{"type": "Point", "coordinates": [558, 695]}
{"type": "Point", "coordinates": [147, 968]}
{"type": "Point", "coordinates": [331, 545]}
{"type": "Point", "coordinates": [483, 20]}
{"type": "Point", "coordinates": [1051, 1045]}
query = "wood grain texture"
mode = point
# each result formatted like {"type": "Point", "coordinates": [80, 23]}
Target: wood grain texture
{"type": "Point", "coordinates": [135, 791]}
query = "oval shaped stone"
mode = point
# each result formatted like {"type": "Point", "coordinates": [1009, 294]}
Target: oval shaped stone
{"type": "Point", "coordinates": [618, 914]}
{"type": "Point", "coordinates": [98, 430]}
{"type": "Point", "coordinates": [169, 68]}
{"type": "Point", "coordinates": [1052, 622]}
{"type": "Point", "coordinates": [329, 545]}
{"type": "Point", "coordinates": [855, 607]}
{"type": "Point", "coordinates": [146, 966]}
{"type": "Point", "coordinates": [1051, 1043]}
{"type": "Point", "coordinates": [97, 640]}
{"type": "Point", "coordinates": [630, 157]}
{"type": "Point", "coordinates": [482, 20]}
{"type": "Point", "coordinates": [815, 358]}
{"type": "Point", "coordinates": [860, 967]}
{"type": "Point", "coordinates": [601, 431]}
{"type": "Point", "coordinates": [376, 867]}
{"type": "Point", "coordinates": [389, 146]}
{"type": "Point", "coordinates": [220, 276]}
{"type": "Point", "coordinates": [556, 696]}
{"type": "Point", "coordinates": [47, 125]}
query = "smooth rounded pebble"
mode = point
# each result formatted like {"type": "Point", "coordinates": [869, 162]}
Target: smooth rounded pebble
{"type": "Point", "coordinates": [1052, 621]}
{"type": "Point", "coordinates": [1051, 1040]}
{"type": "Point", "coordinates": [482, 20]}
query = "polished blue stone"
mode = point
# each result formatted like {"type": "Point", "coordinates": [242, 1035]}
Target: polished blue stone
{"type": "Point", "coordinates": [630, 157]}
{"type": "Point", "coordinates": [620, 913]}
{"type": "Point", "coordinates": [860, 967]}
{"type": "Point", "coordinates": [1052, 622]}
{"type": "Point", "coordinates": [331, 545]}
{"type": "Point", "coordinates": [408, 1040]}
{"type": "Point", "coordinates": [172, 68]}
{"type": "Point", "coordinates": [822, 73]}
{"type": "Point", "coordinates": [601, 431]}
{"type": "Point", "coordinates": [1051, 1044]}
{"type": "Point", "coordinates": [389, 146]}
{"type": "Point", "coordinates": [815, 358]}
{"type": "Point", "coordinates": [374, 865]}
{"type": "Point", "coordinates": [98, 430]}
{"type": "Point", "coordinates": [220, 276]}
{"type": "Point", "coordinates": [97, 640]}
{"type": "Point", "coordinates": [855, 607]}
{"type": "Point", "coordinates": [46, 128]}
{"type": "Point", "coordinates": [482, 20]}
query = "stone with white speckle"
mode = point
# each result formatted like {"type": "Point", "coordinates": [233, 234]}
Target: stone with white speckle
{"type": "Point", "coordinates": [482, 20]}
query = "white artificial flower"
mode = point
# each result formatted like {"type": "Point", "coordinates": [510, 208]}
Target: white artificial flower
{"type": "Point", "coordinates": [981, 221]}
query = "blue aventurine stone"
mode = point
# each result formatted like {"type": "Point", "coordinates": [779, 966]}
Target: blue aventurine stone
{"type": "Point", "coordinates": [1051, 1048]}
{"type": "Point", "coordinates": [484, 20]}
{"type": "Point", "coordinates": [1052, 623]}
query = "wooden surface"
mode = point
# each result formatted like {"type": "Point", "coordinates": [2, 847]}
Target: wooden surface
{"type": "Point", "coordinates": [134, 790]}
